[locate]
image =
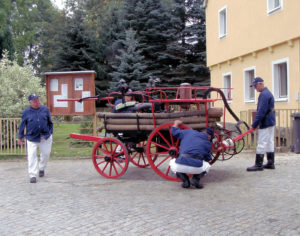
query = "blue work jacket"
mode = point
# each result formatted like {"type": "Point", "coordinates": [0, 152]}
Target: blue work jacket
{"type": "Point", "coordinates": [38, 124]}
{"type": "Point", "coordinates": [265, 115]}
{"type": "Point", "coordinates": [193, 143]}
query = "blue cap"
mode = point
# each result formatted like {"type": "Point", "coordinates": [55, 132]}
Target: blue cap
{"type": "Point", "coordinates": [256, 81]}
{"type": "Point", "coordinates": [32, 97]}
{"type": "Point", "coordinates": [210, 131]}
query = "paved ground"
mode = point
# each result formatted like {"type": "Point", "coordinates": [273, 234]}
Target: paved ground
{"type": "Point", "coordinates": [73, 199]}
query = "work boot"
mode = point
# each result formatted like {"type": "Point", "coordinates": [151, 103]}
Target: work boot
{"type": "Point", "coordinates": [270, 163]}
{"type": "Point", "coordinates": [41, 173]}
{"type": "Point", "coordinates": [258, 163]}
{"type": "Point", "coordinates": [184, 178]}
{"type": "Point", "coordinates": [195, 180]}
{"type": "Point", "coordinates": [33, 180]}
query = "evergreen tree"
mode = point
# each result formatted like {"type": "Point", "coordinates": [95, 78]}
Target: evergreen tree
{"type": "Point", "coordinates": [6, 42]}
{"type": "Point", "coordinates": [193, 40]}
{"type": "Point", "coordinates": [75, 46]}
{"type": "Point", "coordinates": [6, 39]}
{"type": "Point", "coordinates": [130, 67]}
{"type": "Point", "coordinates": [104, 24]}
{"type": "Point", "coordinates": [153, 31]}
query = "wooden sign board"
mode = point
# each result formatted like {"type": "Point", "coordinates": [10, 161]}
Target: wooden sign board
{"type": "Point", "coordinates": [70, 84]}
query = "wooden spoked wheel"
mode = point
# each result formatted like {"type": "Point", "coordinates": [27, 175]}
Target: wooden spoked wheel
{"type": "Point", "coordinates": [137, 154]}
{"type": "Point", "coordinates": [161, 148]}
{"type": "Point", "coordinates": [110, 158]}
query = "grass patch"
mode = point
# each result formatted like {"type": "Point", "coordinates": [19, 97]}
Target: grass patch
{"type": "Point", "coordinates": [64, 146]}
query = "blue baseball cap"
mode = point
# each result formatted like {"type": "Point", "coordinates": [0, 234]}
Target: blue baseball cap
{"type": "Point", "coordinates": [210, 131]}
{"type": "Point", "coordinates": [256, 81]}
{"type": "Point", "coordinates": [32, 96]}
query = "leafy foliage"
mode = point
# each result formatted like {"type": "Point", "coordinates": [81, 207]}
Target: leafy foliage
{"type": "Point", "coordinates": [169, 40]}
{"type": "Point", "coordinates": [17, 82]}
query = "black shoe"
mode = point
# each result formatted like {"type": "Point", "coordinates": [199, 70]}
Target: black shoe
{"type": "Point", "coordinates": [32, 180]}
{"type": "Point", "coordinates": [41, 173]}
{"type": "Point", "coordinates": [195, 181]}
{"type": "Point", "coordinates": [185, 179]}
{"type": "Point", "coordinates": [258, 166]}
{"type": "Point", "coordinates": [269, 166]}
{"type": "Point", "coordinates": [270, 163]}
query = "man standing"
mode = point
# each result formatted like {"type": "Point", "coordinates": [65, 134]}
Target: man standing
{"type": "Point", "coordinates": [194, 154]}
{"type": "Point", "coordinates": [39, 128]}
{"type": "Point", "coordinates": [265, 121]}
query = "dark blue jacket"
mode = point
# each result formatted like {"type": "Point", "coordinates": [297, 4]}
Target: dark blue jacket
{"type": "Point", "coordinates": [193, 143]}
{"type": "Point", "coordinates": [38, 124]}
{"type": "Point", "coordinates": [265, 115]}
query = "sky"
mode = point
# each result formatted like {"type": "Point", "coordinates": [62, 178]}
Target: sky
{"type": "Point", "coordinates": [59, 3]}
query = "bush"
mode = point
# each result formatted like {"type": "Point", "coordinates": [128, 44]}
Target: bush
{"type": "Point", "coordinates": [17, 82]}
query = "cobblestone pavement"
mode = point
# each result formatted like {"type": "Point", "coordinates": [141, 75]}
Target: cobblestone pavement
{"type": "Point", "coordinates": [73, 199]}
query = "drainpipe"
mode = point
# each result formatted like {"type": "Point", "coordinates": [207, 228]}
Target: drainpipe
{"type": "Point", "coordinates": [298, 94]}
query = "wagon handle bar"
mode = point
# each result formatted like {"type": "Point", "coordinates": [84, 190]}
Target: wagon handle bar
{"type": "Point", "coordinates": [242, 135]}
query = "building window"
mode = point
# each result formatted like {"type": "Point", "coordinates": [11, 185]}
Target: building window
{"type": "Point", "coordinates": [281, 79]}
{"type": "Point", "coordinates": [274, 5]}
{"type": "Point", "coordinates": [223, 22]}
{"type": "Point", "coordinates": [249, 75]}
{"type": "Point", "coordinates": [227, 83]}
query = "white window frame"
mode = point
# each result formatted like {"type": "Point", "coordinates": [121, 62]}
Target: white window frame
{"type": "Point", "coordinates": [275, 80]}
{"type": "Point", "coordinates": [247, 84]}
{"type": "Point", "coordinates": [271, 9]}
{"type": "Point", "coordinates": [225, 88]}
{"type": "Point", "coordinates": [223, 26]}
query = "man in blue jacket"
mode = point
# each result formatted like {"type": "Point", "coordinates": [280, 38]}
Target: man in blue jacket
{"type": "Point", "coordinates": [265, 122]}
{"type": "Point", "coordinates": [36, 119]}
{"type": "Point", "coordinates": [194, 153]}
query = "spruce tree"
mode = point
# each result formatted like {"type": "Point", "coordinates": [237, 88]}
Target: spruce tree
{"type": "Point", "coordinates": [76, 46]}
{"type": "Point", "coordinates": [154, 29]}
{"type": "Point", "coordinates": [194, 69]}
{"type": "Point", "coordinates": [130, 63]}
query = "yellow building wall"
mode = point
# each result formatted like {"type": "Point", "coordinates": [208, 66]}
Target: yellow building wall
{"type": "Point", "coordinates": [261, 61]}
{"type": "Point", "coordinates": [254, 39]}
{"type": "Point", "coordinates": [250, 27]}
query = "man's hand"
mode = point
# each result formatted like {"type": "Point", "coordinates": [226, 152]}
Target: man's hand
{"type": "Point", "coordinates": [20, 141]}
{"type": "Point", "coordinates": [177, 123]}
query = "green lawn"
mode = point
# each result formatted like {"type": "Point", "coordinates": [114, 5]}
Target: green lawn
{"type": "Point", "coordinates": [64, 146]}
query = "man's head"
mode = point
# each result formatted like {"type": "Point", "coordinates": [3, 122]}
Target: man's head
{"type": "Point", "coordinates": [258, 84]}
{"type": "Point", "coordinates": [210, 133]}
{"type": "Point", "coordinates": [128, 97]}
{"type": "Point", "coordinates": [122, 86]}
{"type": "Point", "coordinates": [34, 101]}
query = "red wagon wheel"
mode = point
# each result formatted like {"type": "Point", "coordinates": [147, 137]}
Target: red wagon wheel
{"type": "Point", "coordinates": [110, 157]}
{"type": "Point", "coordinates": [161, 148]}
{"type": "Point", "coordinates": [137, 155]}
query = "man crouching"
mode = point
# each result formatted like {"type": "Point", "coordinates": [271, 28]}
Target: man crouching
{"type": "Point", "coordinates": [194, 154]}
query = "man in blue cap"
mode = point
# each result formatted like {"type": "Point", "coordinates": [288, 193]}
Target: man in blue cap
{"type": "Point", "coordinates": [36, 119]}
{"type": "Point", "coordinates": [265, 122]}
{"type": "Point", "coordinates": [194, 154]}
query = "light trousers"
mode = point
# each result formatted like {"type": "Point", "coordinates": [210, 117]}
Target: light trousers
{"type": "Point", "coordinates": [45, 150]}
{"type": "Point", "coordinates": [175, 167]}
{"type": "Point", "coordinates": [265, 142]}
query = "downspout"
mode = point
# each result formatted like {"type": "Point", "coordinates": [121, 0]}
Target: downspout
{"type": "Point", "coordinates": [298, 95]}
